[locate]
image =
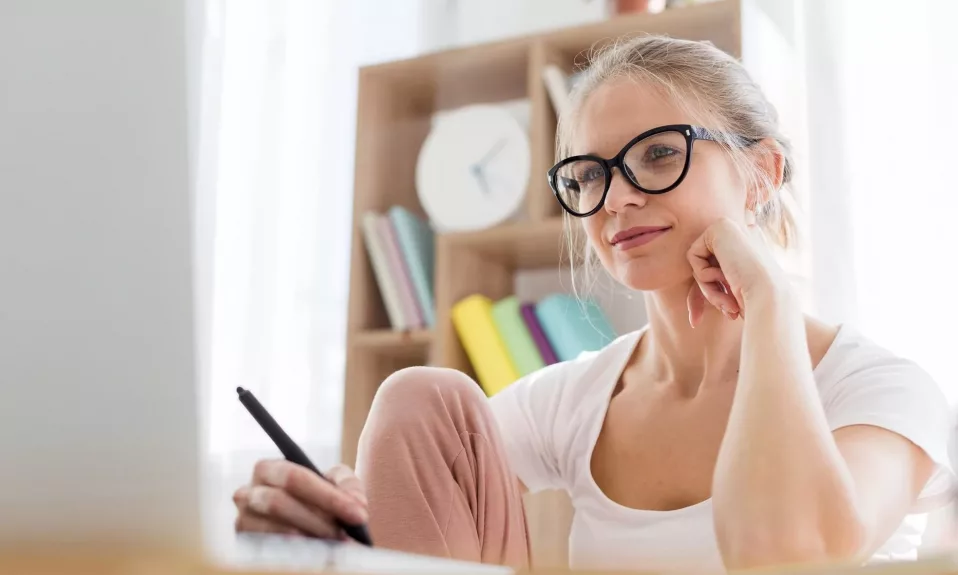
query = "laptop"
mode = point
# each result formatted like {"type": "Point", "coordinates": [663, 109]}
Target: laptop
{"type": "Point", "coordinates": [100, 430]}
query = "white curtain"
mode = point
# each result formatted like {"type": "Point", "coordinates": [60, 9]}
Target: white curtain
{"type": "Point", "coordinates": [275, 114]}
{"type": "Point", "coordinates": [274, 178]}
{"type": "Point", "coordinates": [279, 182]}
{"type": "Point", "coordinates": [883, 120]}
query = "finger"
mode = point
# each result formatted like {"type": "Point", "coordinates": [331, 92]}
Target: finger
{"type": "Point", "coordinates": [710, 279]}
{"type": "Point", "coordinates": [310, 488]}
{"type": "Point", "coordinates": [345, 479]}
{"type": "Point", "coordinates": [696, 304]}
{"type": "Point", "coordinates": [255, 523]}
{"type": "Point", "coordinates": [700, 255]}
{"type": "Point", "coordinates": [713, 284]}
{"type": "Point", "coordinates": [282, 507]}
{"type": "Point", "coordinates": [718, 299]}
{"type": "Point", "coordinates": [241, 498]}
{"type": "Point", "coordinates": [701, 258]}
{"type": "Point", "coordinates": [724, 285]}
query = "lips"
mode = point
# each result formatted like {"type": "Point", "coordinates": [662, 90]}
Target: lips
{"type": "Point", "coordinates": [636, 233]}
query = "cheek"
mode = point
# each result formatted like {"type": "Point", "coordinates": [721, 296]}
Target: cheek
{"type": "Point", "coordinates": [593, 226]}
{"type": "Point", "coordinates": [706, 196]}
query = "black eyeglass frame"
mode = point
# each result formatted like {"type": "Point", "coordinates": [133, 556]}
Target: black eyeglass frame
{"type": "Point", "coordinates": [691, 134]}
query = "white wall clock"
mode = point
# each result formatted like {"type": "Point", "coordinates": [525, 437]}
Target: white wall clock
{"type": "Point", "coordinates": [473, 168]}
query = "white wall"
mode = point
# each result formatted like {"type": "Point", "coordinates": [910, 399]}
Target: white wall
{"type": "Point", "coordinates": [97, 413]}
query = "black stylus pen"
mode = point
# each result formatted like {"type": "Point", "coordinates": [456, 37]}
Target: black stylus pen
{"type": "Point", "coordinates": [292, 452]}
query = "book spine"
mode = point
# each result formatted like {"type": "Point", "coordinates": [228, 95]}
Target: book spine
{"type": "Point", "coordinates": [417, 246]}
{"type": "Point", "coordinates": [573, 327]}
{"type": "Point", "coordinates": [377, 259]}
{"type": "Point", "coordinates": [595, 331]}
{"type": "Point", "coordinates": [519, 343]}
{"type": "Point", "coordinates": [528, 311]}
{"type": "Point", "coordinates": [553, 314]}
{"type": "Point", "coordinates": [472, 318]}
{"type": "Point", "coordinates": [400, 274]}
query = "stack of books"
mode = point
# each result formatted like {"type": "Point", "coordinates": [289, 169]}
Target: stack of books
{"type": "Point", "coordinates": [400, 248]}
{"type": "Point", "coordinates": [509, 338]}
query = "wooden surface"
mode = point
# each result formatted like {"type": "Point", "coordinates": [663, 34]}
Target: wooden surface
{"type": "Point", "coordinates": [51, 562]}
{"type": "Point", "coordinates": [396, 102]}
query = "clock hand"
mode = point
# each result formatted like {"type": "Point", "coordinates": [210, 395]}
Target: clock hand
{"type": "Point", "coordinates": [492, 153]}
{"type": "Point", "coordinates": [478, 167]}
{"type": "Point", "coordinates": [478, 173]}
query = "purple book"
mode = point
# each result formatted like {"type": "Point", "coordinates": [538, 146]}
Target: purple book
{"type": "Point", "coordinates": [545, 348]}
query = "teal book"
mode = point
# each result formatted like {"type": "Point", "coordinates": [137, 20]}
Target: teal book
{"type": "Point", "coordinates": [573, 326]}
{"type": "Point", "coordinates": [416, 242]}
{"type": "Point", "coordinates": [516, 335]}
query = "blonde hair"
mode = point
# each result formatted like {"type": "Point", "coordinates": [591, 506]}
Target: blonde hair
{"type": "Point", "coordinates": [714, 89]}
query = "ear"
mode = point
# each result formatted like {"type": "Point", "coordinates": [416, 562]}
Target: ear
{"type": "Point", "coordinates": [770, 160]}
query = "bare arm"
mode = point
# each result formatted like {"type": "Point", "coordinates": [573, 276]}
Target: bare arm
{"type": "Point", "coordinates": [786, 489]}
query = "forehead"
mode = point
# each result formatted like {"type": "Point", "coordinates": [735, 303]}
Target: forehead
{"type": "Point", "coordinates": [618, 111]}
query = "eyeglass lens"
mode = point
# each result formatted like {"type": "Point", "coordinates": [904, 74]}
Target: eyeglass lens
{"type": "Point", "coordinates": [653, 163]}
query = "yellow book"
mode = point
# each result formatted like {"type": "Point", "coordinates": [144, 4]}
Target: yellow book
{"type": "Point", "coordinates": [472, 318]}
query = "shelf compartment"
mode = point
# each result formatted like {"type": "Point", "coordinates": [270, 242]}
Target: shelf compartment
{"type": "Point", "coordinates": [517, 245]}
{"type": "Point", "coordinates": [393, 342]}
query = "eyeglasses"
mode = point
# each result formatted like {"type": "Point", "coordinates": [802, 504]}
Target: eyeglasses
{"type": "Point", "coordinates": [654, 162]}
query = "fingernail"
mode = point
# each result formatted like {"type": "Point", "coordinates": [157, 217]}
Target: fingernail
{"type": "Point", "coordinates": [361, 514]}
{"type": "Point", "coordinates": [359, 497]}
{"type": "Point", "coordinates": [258, 501]}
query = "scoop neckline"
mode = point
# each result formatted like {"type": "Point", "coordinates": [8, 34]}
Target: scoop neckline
{"type": "Point", "coordinates": [607, 501]}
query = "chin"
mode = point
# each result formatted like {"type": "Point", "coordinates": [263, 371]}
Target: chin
{"type": "Point", "coordinates": [644, 275]}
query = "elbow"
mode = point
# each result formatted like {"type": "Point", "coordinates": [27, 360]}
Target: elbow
{"type": "Point", "coordinates": [795, 543]}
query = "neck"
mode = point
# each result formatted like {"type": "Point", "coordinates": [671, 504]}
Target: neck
{"type": "Point", "coordinates": [690, 358]}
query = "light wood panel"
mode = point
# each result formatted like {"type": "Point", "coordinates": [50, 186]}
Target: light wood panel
{"type": "Point", "coordinates": [55, 560]}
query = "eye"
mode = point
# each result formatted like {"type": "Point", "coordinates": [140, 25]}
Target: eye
{"type": "Point", "coordinates": [657, 152]}
{"type": "Point", "coordinates": [569, 185]}
{"type": "Point", "coordinates": [590, 174]}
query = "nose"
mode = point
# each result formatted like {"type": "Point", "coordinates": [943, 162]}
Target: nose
{"type": "Point", "coordinates": [622, 194]}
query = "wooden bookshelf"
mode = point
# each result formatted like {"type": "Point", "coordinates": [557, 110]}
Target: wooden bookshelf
{"type": "Point", "coordinates": [395, 104]}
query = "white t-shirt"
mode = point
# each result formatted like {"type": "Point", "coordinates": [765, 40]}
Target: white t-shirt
{"type": "Point", "coordinates": [550, 421]}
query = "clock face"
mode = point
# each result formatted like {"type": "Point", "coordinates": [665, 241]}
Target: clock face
{"type": "Point", "coordinates": [473, 168]}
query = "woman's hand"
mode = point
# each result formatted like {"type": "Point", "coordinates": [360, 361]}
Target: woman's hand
{"type": "Point", "coordinates": [286, 498]}
{"type": "Point", "coordinates": [731, 265]}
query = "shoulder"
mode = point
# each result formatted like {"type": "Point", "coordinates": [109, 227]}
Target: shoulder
{"type": "Point", "coordinates": [542, 415]}
{"type": "Point", "coordinates": [855, 364]}
{"type": "Point", "coordinates": [863, 383]}
{"type": "Point", "coordinates": [570, 382]}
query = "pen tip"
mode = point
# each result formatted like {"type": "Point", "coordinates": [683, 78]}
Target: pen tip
{"type": "Point", "coordinates": [240, 390]}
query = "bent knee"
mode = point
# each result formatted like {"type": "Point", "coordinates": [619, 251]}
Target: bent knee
{"type": "Point", "coordinates": [420, 408]}
{"type": "Point", "coordinates": [421, 386]}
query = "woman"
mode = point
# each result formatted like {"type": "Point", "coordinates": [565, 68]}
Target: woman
{"type": "Point", "coordinates": [730, 432]}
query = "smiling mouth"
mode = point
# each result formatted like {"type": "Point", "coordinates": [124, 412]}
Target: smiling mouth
{"type": "Point", "coordinates": [638, 236]}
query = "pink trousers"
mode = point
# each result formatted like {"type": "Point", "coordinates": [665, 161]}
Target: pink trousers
{"type": "Point", "coordinates": [435, 472]}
